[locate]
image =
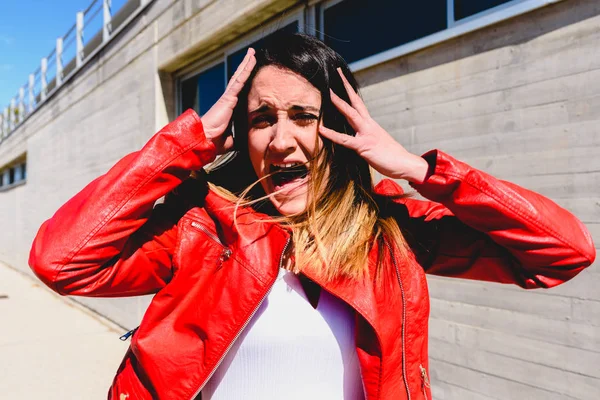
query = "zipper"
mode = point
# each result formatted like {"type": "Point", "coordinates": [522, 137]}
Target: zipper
{"type": "Point", "coordinates": [226, 253]}
{"type": "Point", "coordinates": [243, 326]}
{"type": "Point", "coordinates": [403, 320]}
{"type": "Point", "coordinates": [126, 335]}
{"type": "Point", "coordinates": [425, 381]}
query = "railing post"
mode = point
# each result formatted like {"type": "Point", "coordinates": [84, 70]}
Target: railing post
{"type": "Point", "coordinates": [31, 96]}
{"type": "Point", "coordinates": [21, 104]}
{"type": "Point", "coordinates": [5, 122]}
{"type": "Point", "coordinates": [106, 26]}
{"type": "Point", "coordinates": [79, 35]}
{"type": "Point", "coordinates": [12, 115]}
{"type": "Point", "coordinates": [59, 66]}
{"type": "Point", "coordinates": [43, 76]}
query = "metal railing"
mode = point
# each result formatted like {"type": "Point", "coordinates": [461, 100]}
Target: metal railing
{"type": "Point", "coordinates": [73, 50]}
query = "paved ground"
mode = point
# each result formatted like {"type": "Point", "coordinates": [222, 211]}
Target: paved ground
{"type": "Point", "coordinates": [51, 348]}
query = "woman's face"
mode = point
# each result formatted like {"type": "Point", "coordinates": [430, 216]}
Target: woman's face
{"type": "Point", "coordinates": [283, 118]}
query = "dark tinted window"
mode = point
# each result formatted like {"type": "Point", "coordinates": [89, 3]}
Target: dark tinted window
{"type": "Point", "coordinates": [201, 91]}
{"type": "Point", "coordinates": [236, 58]}
{"type": "Point", "coordinates": [24, 170]}
{"type": "Point", "coordinates": [211, 85]}
{"type": "Point", "coordinates": [357, 29]}
{"type": "Point", "coordinates": [11, 176]}
{"type": "Point", "coordinates": [466, 8]}
{"type": "Point", "coordinates": [189, 94]}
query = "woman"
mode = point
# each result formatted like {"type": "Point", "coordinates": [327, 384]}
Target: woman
{"type": "Point", "coordinates": [311, 281]}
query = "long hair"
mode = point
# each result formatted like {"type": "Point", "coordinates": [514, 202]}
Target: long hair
{"type": "Point", "coordinates": [343, 217]}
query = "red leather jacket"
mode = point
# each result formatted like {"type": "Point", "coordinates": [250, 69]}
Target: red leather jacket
{"type": "Point", "coordinates": [210, 275]}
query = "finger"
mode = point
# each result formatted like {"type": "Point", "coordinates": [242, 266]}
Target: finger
{"type": "Point", "coordinates": [355, 99]}
{"type": "Point", "coordinates": [339, 138]}
{"type": "Point", "coordinates": [240, 81]}
{"type": "Point", "coordinates": [240, 67]}
{"type": "Point", "coordinates": [353, 117]}
{"type": "Point", "coordinates": [242, 72]}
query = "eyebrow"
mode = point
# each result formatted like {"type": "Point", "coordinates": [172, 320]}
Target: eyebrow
{"type": "Point", "coordinates": [266, 107]}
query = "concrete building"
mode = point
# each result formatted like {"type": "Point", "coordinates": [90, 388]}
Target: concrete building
{"type": "Point", "coordinates": [510, 86]}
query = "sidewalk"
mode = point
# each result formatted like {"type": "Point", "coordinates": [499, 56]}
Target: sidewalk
{"type": "Point", "coordinates": [51, 348]}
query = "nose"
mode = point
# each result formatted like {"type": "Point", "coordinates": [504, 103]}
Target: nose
{"type": "Point", "coordinates": [283, 140]}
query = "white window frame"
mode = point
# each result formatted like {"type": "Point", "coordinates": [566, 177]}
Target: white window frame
{"type": "Point", "coordinates": [297, 14]}
{"type": "Point", "coordinates": [455, 28]}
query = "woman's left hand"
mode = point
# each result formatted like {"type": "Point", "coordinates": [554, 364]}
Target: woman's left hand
{"type": "Point", "coordinates": [372, 142]}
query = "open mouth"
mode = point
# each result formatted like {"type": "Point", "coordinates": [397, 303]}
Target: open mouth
{"type": "Point", "coordinates": [284, 174]}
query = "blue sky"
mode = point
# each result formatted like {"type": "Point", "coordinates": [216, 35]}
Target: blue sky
{"type": "Point", "coordinates": [28, 32]}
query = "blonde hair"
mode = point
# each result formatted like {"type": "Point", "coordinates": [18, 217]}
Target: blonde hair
{"type": "Point", "coordinates": [338, 229]}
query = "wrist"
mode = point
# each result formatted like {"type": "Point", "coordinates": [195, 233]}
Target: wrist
{"type": "Point", "coordinates": [417, 169]}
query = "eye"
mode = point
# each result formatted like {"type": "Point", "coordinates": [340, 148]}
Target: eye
{"type": "Point", "coordinates": [305, 118]}
{"type": "Point", "coordinates": [262, 121]}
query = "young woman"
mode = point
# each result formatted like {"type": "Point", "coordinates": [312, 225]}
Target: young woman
{"type": "Point", "coordinates": [290, 275]}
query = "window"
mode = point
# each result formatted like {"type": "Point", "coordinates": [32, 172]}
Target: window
{"type": "Point", "coordinates": [13, 174]}
{"type": "Point", "coordinates": [369, 33]}
{"type": "Point", "coordinates": [358, 29]}
{"type": "Point", "coordinates": [466, 8]}
{"type": "Point", "coordinates": [364, 33]}
{"type": "Point", "coordinates": [203, 89]}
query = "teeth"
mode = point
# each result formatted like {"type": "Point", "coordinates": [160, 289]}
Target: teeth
{"type": "Point", "coordinates": [286, 165]}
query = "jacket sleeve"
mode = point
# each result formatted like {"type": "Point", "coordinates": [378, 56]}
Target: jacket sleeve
{"type": "Point", "coordinates": [478, 227]}
{"type": "Point", "coordinates": [109, 240]}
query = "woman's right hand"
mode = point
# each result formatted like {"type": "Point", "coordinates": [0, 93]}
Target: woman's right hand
{"type": "Point", "coordinates": [217, 120]}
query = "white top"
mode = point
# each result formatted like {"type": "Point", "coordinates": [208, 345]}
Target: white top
{"type": "Point", "coordinates": [291, 351]}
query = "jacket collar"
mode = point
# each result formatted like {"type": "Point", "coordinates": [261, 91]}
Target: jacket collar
{"type": "Point", "coordinates": [262, 242]}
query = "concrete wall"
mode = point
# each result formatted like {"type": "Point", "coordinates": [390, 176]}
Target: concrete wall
{"type": "Point", "coordinates": [519, 100]}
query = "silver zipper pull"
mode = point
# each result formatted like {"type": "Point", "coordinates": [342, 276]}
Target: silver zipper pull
{"type": "Point", "coordinates": [425, 380]}
{"type": "Point", "coordinates": [225, 254]}
{"type": "Point", "coordinates": [424, 375]}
